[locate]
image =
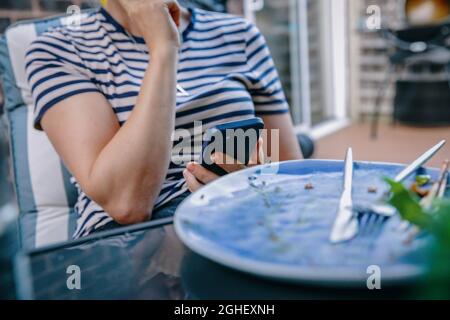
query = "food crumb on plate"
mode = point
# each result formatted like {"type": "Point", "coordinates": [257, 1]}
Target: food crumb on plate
{"type": "Point", "coordinates": [273, 237]}
{"type": "Point", "coordinates": [421, 192]}
{"type": "Point", "coordinates": [372, 190]}
{"type": "Point", "coordinates": [309, 186]}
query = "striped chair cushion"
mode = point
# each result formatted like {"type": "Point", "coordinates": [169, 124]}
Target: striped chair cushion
{"type": "Point", "coordinates": [44, 193]}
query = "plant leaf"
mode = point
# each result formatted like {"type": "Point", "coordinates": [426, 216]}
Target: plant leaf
{"type": "Point", "coordinates": [441, 225]}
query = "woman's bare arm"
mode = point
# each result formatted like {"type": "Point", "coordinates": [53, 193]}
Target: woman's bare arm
{"type": "Point", "coordinates": [123, 168]}
{"type": "Point", "coordinates": [288, 146]}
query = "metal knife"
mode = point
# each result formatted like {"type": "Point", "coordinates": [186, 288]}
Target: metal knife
{"type": "Point", "coordinates": [346, 224]}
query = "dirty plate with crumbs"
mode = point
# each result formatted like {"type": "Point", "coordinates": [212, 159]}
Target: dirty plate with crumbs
{"type": "Point", "coordinates": [274, 221]}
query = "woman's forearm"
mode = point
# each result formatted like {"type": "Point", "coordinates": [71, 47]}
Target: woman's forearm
{"type": "Point", "coordinates": [128, 174]}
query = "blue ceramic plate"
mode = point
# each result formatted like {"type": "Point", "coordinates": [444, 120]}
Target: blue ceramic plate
{"type": "Point", "coordinates": [265, 221]}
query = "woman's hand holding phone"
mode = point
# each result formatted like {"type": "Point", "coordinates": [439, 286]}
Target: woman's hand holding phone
{"type": "Point", "coordinates": [197, 176]}
{"type": "Point", "coordinates": [157, 21]}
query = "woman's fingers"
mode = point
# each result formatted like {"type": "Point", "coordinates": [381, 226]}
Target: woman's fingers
{"type": "Point", "coordinates": [230, 164]}
{"type": "Point", "coordinates": [192, 183]}
{"type": "Point", "coordinates": [258, 154]}
{"type": "Point", "coordinates": [175, 11]}
{"type": "Point", "coordinates": [156, 20]}
{"type": "Point", "coordinates": [226, 162]}
{"type": "Point", "coordinates": [196, 176]}
{"type": "Point", "coordinates": [261, 156]}
{"type": "Point", "coordinates": [200, 173]}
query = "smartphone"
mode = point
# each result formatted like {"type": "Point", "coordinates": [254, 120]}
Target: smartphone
{"type": "Point", "coordinates": [237, 139]}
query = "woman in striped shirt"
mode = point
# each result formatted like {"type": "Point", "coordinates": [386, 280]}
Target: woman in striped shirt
{"type": "Point", "coordinates": [105, 93]}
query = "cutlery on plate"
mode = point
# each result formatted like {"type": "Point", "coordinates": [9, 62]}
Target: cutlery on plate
{"type": "Point", "coordinates": [345, 226]}
{"type": "Point", "coordinates": [380, 207]}
{"type": "Point", "coordinates": [438, 188]}
{"type": "Point", "coordinates": [437, 191]}
{"type": "Point", "coordinates": [366, 221]}
{"type": "Point", "coordinates": [444, 185]}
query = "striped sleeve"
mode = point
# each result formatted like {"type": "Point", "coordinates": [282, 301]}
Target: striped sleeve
{"type": "Point", "coordinates": [266, 90]}
{"type": "Point", "coordinates": [55, 72]}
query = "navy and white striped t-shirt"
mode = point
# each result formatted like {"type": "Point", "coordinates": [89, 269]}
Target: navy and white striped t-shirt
{"type": "Point", "coordinates": [224, 65]}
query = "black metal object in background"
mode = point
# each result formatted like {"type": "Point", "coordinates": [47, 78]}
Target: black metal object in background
{"type": "Point", "coordinates": [422, 103]}
{"type": "Point", "coordinates": [419, 102]}
{"type": "Point", "coordinates": [306, 145]}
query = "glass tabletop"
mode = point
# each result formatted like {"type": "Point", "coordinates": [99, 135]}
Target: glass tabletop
{"type": "Point", "coordinates": [153, 264]}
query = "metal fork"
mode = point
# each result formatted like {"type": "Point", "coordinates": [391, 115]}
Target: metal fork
{"type": "Point", "coordinates": [371, 222]}
{"type": "Point", "coordinates": [380, 207]}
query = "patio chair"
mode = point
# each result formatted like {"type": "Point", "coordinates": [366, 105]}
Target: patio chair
{"type": "Point", "coordinates": [409, 48]}
{"type": "Point", "coordinates": [42, 185]}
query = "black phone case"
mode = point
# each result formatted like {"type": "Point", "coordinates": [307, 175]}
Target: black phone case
{"type": "Point", "coordinates": [255, 123]}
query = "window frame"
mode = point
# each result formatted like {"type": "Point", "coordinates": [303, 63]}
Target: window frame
{"type": "Point", "coordinates": [334, 33]}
